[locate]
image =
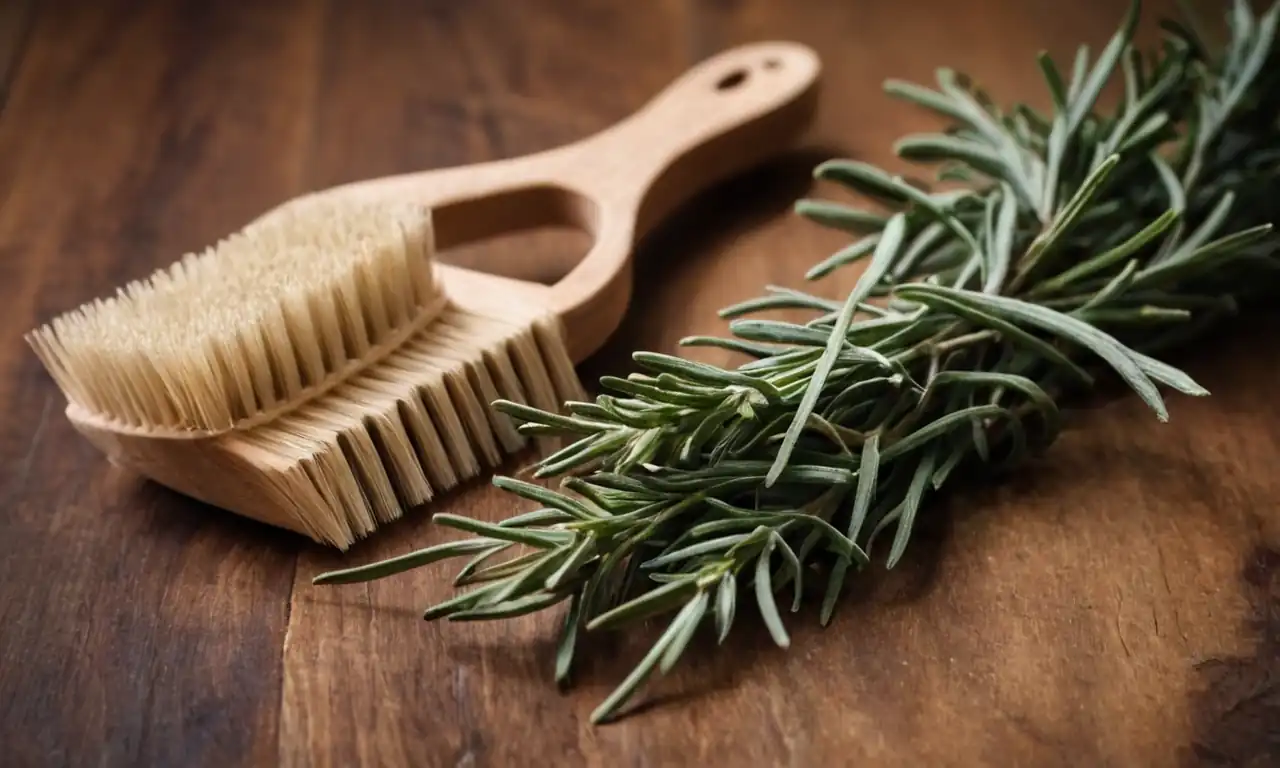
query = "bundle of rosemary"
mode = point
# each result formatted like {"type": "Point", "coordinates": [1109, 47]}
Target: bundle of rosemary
{"type": "Point", "coordinates": [1077, 244]}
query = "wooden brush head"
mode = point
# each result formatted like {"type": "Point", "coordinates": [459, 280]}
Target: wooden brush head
{"type": "Point", "coordinates": [315, 371]}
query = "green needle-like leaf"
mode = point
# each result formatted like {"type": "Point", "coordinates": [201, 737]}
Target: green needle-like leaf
{"type": "Point", "coordinates": [726, 606]}
{"type": "Point", "coordinates": [885, 252]}
{"type": "Point", "coordinates": [406, 562]}
{"type": "Point", "coordinates": [764, 596]}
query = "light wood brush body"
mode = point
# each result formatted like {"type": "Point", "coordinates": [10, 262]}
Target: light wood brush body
{"type": "Point", "coordinates": [318, 371]}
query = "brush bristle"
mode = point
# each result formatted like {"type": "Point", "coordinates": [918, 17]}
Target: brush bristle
{"type": "Point", "coordinates": [270, 315]}
{"type": "Point", "coordinates": [415, 424]}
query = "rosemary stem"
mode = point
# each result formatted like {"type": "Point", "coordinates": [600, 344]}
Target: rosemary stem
{"type": "Point", "coordinates": [967, 340]}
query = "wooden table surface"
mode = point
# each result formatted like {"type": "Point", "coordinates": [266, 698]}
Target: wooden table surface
{"type": "Point", "coordinates": [1116, 604]}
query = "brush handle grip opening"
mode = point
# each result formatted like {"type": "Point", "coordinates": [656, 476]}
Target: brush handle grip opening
{"type": "Point", "coordinates": [723, 117]}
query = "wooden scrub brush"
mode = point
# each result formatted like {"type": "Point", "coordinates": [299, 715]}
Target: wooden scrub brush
{"type": "Point", "coordinates": [320, 372]}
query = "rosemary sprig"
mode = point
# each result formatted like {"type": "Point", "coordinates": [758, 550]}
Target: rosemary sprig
{"type": "Point", "coordinates": [1082, 243]}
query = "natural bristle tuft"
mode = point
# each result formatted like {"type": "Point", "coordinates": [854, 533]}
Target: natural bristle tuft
{"type": "Point", "coordinates": [277, 312]}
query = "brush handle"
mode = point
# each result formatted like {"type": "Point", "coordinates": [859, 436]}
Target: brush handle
{"type": "Point", "coordinates": [720, 118]}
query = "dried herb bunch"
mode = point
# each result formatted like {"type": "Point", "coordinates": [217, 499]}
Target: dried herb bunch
{"type": "Point", "coordinates": [1077, 245]}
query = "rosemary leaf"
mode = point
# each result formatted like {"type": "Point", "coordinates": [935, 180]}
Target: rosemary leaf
{"type": "Point", "coordinates": [764, 595]}
{"type": "Point", "coordinates": [568, 639]}
{"type": "Point", "coordinates": [910, 505]}
{"type": "Point", "coordinates": [840, 216]}
{"type": "Point", "coordinates": [886, 250]}
{"type": "Point", "coordinates": [726, 605]}
{"type": "Point", "coordinates": [406, 562]}
{"type": "Point", "coordinates": [687, 620]}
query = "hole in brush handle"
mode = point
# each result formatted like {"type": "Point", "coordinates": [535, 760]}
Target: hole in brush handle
{"type": "Point", "coordinates": [537, 233]}
{"type": "Point", "coordinates": [740, 76]}
{"type": "Point", "coordinates": [732, 80]}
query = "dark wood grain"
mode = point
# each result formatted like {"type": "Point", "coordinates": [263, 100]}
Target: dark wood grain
{"type": "Point", "coordinates": [138, 628]}
{"type": "Point", "coordinates": [14, 18]}
{"type": "Point", "coordinates": [1118, 603]}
